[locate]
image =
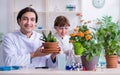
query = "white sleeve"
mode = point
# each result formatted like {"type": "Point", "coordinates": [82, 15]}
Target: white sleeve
{"type": "Point", "coordinates": [10, 56]}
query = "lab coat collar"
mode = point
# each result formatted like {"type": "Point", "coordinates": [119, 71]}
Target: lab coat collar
{"type": "Point", "coordinates": [56, 34]}
{"type": "Point", "coordinates": [23, 35]}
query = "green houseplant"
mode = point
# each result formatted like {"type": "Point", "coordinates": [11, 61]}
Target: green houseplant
{"type": "Point", "coordinates": [108, 33]}
{"type": "Point", "coordinates": [50, 43]}
{"type": "Point", "coordinates": [48, 38]}
{"type": "Point", "coordinates": [85, 45]}
{"type": "Point", "coordinates": [84, 36]}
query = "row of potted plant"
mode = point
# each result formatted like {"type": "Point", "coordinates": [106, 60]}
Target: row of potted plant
{"type": "Point", "coordinates": [92, 40]}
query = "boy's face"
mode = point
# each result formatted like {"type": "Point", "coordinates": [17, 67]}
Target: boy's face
{"type": "Point", "coordinates": [62, 31]}
{"type": "Point", "coordinates": [27, 22]}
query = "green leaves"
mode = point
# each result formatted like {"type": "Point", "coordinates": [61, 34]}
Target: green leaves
{"type": "Point", "coordinates": [109, 34]}
{"type": "Point", "coordinates": [48, 38]}
{"type": "Point", "coordinates": [84, 47]}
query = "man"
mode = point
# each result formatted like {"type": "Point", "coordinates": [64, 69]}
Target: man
{"type": "Point", "coordinates": [23, 47]}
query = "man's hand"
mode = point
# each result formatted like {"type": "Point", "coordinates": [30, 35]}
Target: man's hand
{"type": "Point", "coordinates": [38, 52]}
{"type": "Point", "coordinates": [53, 55]}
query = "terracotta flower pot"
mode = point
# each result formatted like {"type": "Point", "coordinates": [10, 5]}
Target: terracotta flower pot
{"type": "Point", "coordinates": [111, 61]}
{"type": "Point", "coordinates": [50, 47]}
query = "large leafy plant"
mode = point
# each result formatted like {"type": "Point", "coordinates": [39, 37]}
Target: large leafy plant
{"type": "Point", "coordinates": [108, 33]}
{"type": "Point", "coordinates": [48, 38]}
{"type": "Point", "coordinates": [87, 39]}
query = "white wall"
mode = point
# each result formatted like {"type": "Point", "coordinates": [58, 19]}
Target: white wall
{"type": "Point", "coordinates": [4, 19]}
{"type": "Point", "coordinates": [111, 7]}
{"type": "Point", "coordinates": [4, 16]}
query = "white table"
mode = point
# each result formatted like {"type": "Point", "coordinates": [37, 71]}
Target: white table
{"type": "Point", "coordinates": [60, 72]}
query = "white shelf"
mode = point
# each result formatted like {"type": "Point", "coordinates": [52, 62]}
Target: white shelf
{"type": "Point", "coordinates": [47, 11]}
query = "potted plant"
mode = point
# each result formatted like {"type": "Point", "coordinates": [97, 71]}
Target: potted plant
{"type": "Point", "coordinates": [108, 33]}
{"type": "Point", "coordinates": [50, 43]}
{"type": "Point", "coordinates": [85, 44]}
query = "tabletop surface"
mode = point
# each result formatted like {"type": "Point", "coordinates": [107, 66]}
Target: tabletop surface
{"type": "Point", "coordinates": [31, 71]}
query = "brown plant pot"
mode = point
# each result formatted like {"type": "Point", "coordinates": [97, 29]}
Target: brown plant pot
{"type": "Point", "coordinates": [111, 61]}
{"type": "Point", "coordinates": [50, 47]}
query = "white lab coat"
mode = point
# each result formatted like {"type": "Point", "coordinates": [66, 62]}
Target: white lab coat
{"type": "Point", "coordinates": [66, 47]}
{"type": "Point", "coordinates": [17, 48]}
{"type": "Point", "coordinates": [64, 43]}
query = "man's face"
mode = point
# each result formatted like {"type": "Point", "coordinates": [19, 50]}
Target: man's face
{"type": "Point", "coordinates": [27, 22]}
